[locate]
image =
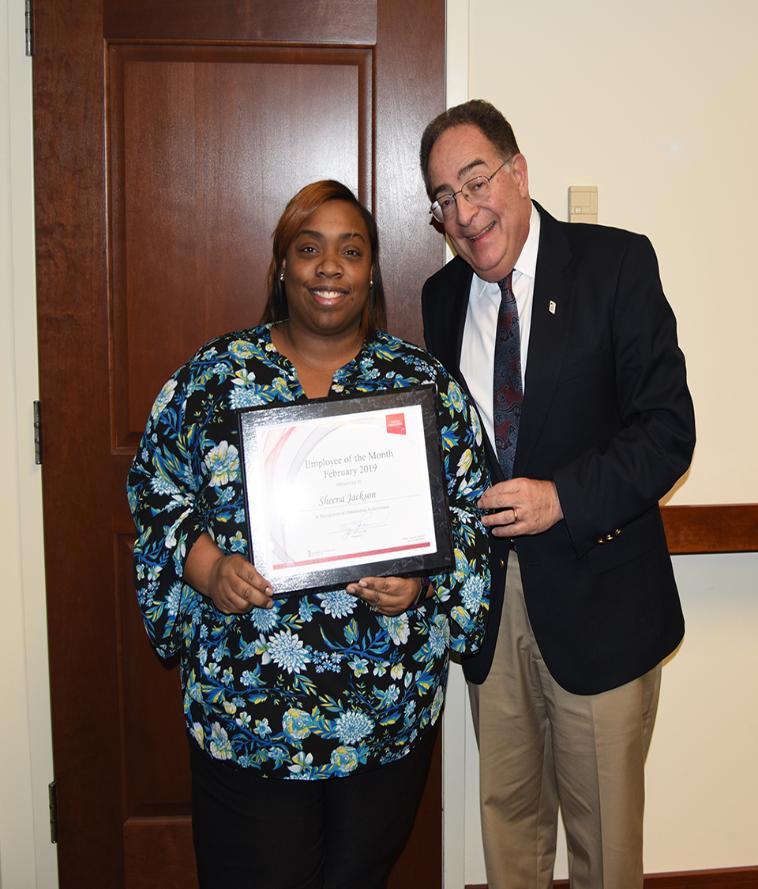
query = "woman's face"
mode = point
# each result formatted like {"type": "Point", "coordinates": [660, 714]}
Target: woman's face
{"type": "Point", "coordinates": [327, 269]}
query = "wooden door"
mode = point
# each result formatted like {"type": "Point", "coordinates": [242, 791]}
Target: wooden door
{"type": "Point", "coordinates": [168, 136]}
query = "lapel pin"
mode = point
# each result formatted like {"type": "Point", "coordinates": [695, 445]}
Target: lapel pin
{"type": "Point", "coordinates": [551, 307]}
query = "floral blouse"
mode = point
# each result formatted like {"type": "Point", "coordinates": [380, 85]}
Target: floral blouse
{"type": "Point", "coordinates": [319, 686]}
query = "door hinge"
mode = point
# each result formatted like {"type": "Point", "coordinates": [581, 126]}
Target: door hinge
{"type": "Point", "coordinates": [53, 799]}
{"type": "Point", "coordinates": [37, 434]}
{"type": "Point", "coordinates": [28, 27]}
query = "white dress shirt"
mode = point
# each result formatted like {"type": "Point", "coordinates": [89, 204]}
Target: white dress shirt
{"type": "Point", "coordinates": [478, 347]}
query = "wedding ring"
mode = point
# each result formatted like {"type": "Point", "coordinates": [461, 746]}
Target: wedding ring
{"type": "Point", "coordinates": [515, 515]}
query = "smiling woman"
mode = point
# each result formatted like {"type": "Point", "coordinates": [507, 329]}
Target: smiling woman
{"type": "Point", "coordinates": [303, 207]}
{"type": "Point", "coordinates": [338, 692]}
{"type": "Point", "coordinates": [325, 293]}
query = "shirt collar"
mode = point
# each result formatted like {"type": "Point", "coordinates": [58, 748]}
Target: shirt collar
{"type": "Point", "coordinates": [526, 264]}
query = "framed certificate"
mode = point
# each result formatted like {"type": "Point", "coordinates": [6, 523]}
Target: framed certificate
{"type": "Point", "coordinates": [339, 490]}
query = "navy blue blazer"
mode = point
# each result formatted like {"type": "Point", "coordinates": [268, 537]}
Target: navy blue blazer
{"type": "Point", "coordinates": [608, 417]}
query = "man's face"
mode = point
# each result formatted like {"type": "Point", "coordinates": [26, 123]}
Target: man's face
{"type": "Point", "coordinates": [488, 237]}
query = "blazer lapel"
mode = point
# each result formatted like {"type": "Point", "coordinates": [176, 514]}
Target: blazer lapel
{"type": "Point", "coordinates": [551, 312]}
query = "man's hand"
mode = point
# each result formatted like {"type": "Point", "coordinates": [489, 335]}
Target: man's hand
{"type": "Point", "coordinates": [524, 506]}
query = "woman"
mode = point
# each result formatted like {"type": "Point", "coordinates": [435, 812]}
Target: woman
{"type": "Point", "coordinates": [341, 690]}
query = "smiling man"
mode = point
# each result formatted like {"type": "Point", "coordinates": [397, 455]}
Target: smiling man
{"type": "Point", "coordinates": [565, 340]}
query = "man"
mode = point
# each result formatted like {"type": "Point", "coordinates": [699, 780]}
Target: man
{"type": "Point", "coordinates": [562, 335]}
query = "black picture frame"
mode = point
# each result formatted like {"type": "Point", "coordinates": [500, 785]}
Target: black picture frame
{"type": "Point", "coordinates": [319, 578]}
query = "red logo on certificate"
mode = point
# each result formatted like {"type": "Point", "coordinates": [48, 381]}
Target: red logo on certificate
{"type": "Point", "coordinates": [396, 424]}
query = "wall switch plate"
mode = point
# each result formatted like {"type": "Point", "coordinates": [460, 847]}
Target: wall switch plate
{"type": "Point", "coordinates": [582, 203]}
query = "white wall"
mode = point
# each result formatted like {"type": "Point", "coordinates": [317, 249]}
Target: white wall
{"type": "Point", "coordinates": [27, 859]}
{"type": "Point", "coordinates": [702, 780]}
{"type": "Point", "coordinates": [702, 777]}
{"type": "Point", "coordinates": [656, 103]}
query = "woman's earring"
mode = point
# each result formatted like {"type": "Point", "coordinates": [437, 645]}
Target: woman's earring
{"type": "Point", "coordinates": [281, 275]}
{"type": "Point", "coordinates": [371, 284]}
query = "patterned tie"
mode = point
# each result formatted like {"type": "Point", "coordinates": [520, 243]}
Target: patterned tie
{"type": "Point", "coordinates": [507, 388]}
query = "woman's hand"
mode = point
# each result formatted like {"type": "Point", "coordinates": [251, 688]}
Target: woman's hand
{"type": "Point", "coordinates": [387, 595]}
{"type": "Point", "coordinates": [231, 582]}
{"type": "Point", "coordinates": [235, 586]}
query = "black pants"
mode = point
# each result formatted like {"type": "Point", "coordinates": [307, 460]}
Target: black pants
{"type": "Point", "coordinates": [265, 833]}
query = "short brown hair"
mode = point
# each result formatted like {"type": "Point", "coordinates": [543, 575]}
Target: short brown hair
{"type": "Point", "coordinates": [477, 112]}
{"type": "Point", "coordinates": [299, 208]}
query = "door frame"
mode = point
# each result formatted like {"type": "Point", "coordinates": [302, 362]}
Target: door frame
{"type": "Point", "coordinates": [456, 729]}
{"type": "Point", "coordinates": [26, 769]}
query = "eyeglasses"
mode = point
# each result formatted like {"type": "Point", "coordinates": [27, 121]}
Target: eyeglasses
{"type": "Point", "coordinates": [476, 191]}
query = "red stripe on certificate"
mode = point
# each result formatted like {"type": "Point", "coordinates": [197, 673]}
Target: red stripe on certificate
{"type": "Point", "coordinates": [368, 552]}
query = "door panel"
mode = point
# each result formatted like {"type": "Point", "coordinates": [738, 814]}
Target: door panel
{"type": "Point", "coordinates": [154, 751]}
{"type": "Point", "coordinates": [158, 853]}
{"type": "Point", "coordinates": [200, 170]}
{"type": "Point", "coordinates": [286, 21]}
{"type": "Point", "coordinates": [168, 137]}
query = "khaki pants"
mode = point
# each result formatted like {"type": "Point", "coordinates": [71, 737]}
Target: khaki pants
{"type": "Point", "coordinates": [540, 746]}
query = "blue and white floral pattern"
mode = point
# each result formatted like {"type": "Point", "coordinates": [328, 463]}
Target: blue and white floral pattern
{"type": "Point", "coordinates": [319, 686]}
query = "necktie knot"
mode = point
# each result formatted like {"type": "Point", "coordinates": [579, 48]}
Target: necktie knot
{"type": "Point", "coordinates": [505, 285]}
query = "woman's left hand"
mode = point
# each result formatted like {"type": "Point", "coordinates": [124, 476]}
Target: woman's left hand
{"type": "Point", "coordinates": [387, 595]}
